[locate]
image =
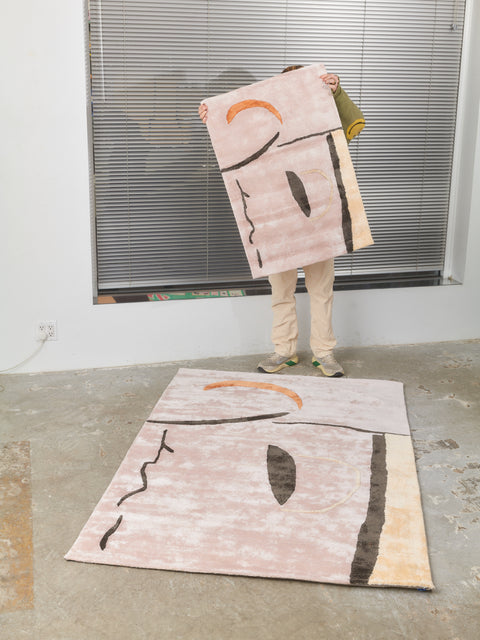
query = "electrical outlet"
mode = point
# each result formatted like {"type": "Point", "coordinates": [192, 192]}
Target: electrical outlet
{"type": "Point", "coordinates": [48, 329]}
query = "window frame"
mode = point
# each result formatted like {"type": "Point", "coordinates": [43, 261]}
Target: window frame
{"type": "Point", "coordinates": [452, 272]}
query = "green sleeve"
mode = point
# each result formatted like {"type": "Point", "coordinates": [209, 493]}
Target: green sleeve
{"type": "Point", "coordinates": [350, 115]}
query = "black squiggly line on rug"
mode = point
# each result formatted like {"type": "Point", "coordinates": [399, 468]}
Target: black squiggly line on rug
{"type": "Point", "coordinates": [245, 195]}
{"type": "Point", "coordinates": [143, 472]}
{"type": "Point", "coordinates": [104, 540]}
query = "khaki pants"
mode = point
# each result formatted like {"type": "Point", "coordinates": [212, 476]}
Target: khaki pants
{"type": "Point", "coordinates": [319, 282]}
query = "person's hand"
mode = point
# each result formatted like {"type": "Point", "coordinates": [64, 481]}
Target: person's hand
{"type": "Point", "coordinates": [331, 80]}
{"type": "Point", "coordinates": [203, 112]}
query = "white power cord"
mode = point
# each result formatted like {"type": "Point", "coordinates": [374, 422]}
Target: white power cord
{"type": "Point", "coordinates": [37, 350]}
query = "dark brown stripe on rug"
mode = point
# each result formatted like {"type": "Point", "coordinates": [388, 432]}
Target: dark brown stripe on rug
{"type": "Point", "coordinates": [346, 218]}
{"type": "Point", "coordinates": [16, 548]}
{"type": "Point", "coordinates": [369, 535]}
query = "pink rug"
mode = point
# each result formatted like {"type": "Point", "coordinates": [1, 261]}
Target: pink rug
{"type": "Point", "coordinates": [288, 172]}
{"type": "Point", "coordinates": [278, 476]}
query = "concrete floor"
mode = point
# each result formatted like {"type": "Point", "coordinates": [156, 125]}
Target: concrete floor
{"type": "Point", "coordinates": [80, 425]}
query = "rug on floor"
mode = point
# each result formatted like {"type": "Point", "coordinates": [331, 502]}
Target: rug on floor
{"type": "Point", "coordinates": [297, 477]}
{"type": "Point", "coordinates": [16, 547]}
{"type": "Point", "coordinates": [287, 170]}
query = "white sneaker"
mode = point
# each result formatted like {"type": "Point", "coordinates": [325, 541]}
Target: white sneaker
{"type": "Point", "coordinates": [328, 366]}
{"type": "Point", "coordinates": [275, 362]}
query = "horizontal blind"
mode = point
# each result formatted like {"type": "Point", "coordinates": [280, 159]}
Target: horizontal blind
{"type": "Point", "coordinates": [162, 215]}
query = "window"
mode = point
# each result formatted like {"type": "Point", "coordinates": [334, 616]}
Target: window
{"type": "Point", "coordinates": [162, 216]}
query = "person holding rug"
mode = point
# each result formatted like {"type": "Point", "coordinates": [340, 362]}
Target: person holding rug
{"type": "Point", "coordinates": [319, 277]}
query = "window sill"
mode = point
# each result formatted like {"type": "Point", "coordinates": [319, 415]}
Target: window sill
{"type": "Point", "coordinates": [262, 287]}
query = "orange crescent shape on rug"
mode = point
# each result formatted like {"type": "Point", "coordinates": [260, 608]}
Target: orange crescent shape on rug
{"type": "Point", "coordinates": [257, 385]}
{"type": "Point", "coordinates": [249, 104]}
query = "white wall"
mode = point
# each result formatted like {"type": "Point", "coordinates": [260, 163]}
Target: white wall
{"type": "Point", "coordinates": [45, 256]}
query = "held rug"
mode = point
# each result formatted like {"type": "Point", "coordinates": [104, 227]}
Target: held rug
{"type": "Point", "coordinates": [278, 476]}
{"type": "Point", "coordinates": [287, 170]}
